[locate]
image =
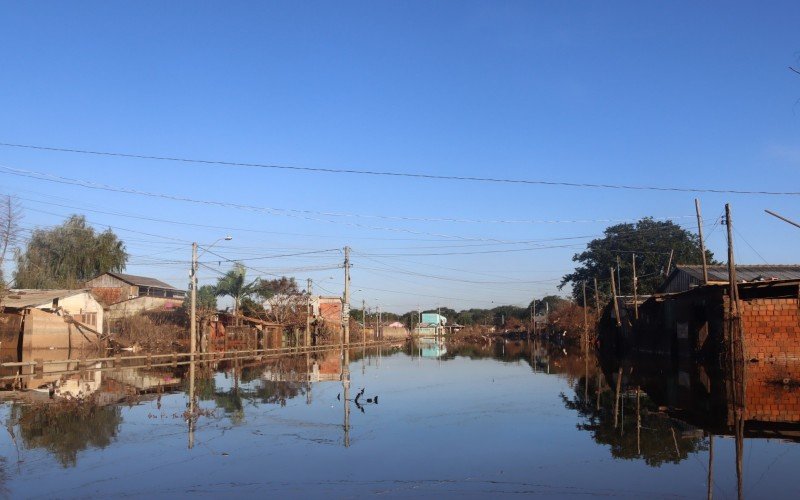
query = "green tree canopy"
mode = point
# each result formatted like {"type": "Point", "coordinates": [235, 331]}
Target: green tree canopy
{"type": "Point", "coordinates": [651, 241]}
{"type": "Point", "coordinates": [233, 283]}
{"type": "Point", "coordinates": [68, 255]}
{"type": "Point", "coordinates": [547, 303]}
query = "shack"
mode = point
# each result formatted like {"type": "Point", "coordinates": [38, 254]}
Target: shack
{"type": "Point", "coordinates": [126, 294]}
{"type": "Point", "coordinates": [49, 319]}
{"type": "Point", "coordinates": [689, 319]}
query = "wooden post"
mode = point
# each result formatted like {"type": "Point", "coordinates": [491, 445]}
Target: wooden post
{"type": "Point", "coordinates": [596, 300]}
{"type": "Point", "coordinates": [614, 298]}
{"type": "Point", "coordinates": [702, 243]}
{"type": "Point", "coordinates": [733, 288]}
{"type": "Point", "coordinates": [585, 322]}
{"type": "Point", "coordinates": [635, 293]}
{"type": "Point", "coordinates": [669, 262]}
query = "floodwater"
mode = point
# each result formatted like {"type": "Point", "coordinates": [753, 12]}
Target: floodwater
{"type": "Point", "coordinates": [434, 420]}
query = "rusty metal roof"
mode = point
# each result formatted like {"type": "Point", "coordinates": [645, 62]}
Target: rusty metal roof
{"type": "Point", "coordinates": [142, 281]}
{"type": "Point", "coordinates": [746, 273]}
{"type": "Point", "coordinates": [21, 298]}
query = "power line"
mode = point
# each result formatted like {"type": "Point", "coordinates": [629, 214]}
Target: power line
{"type": "Point", "coordinates": [495, 180]}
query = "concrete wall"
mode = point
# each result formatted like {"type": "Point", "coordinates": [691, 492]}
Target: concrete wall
{"type": "Point", "coordinates": [81, 303]}
{"type": "Point", "coordinates": [141, 304]}
{"type": "Point", "coordinates": [44, 330]}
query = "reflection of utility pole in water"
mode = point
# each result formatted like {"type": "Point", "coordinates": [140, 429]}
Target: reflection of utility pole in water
{"type": "Point", "coordinates": [616, 397]}
{"type": "Point", "coordinates": [309, 370]}
{"type": "Point", "coordinates": [346, 394]}
{"type": "Point", "coordinates": [191, 404]}
{"type": "Point", "coordinates": [638, 423]}
{"type": "Point", "coordinates": [710, 489]}
{"type": "Point", "coordinates": [739, 431]}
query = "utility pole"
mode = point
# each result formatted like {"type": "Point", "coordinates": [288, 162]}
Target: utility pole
{"type": "Point", "coordinates": [585, 322]}
{"type": "Point", "coordinates": [364, 321]}
{"type": "Point", "coordinates": [193, 318]}
{"type": "Point", "coordinates": [614, 297]}
{"type": "Point", "coordinates": [596, 300]}
{"type": "Point", "coordinates": [702, 243]}
{"type": "Point", "coordinates": [346, 308]}
{"type": "Point", "coordinates": [781, 217]}
{"type": "Point", "coordinates": [309, 291]}
{"type": "Point", "coordinates": [733, 288]}
{"type": "Point", "coordinates": [534, 316]}
{"type": "Point", "coordinates": [635, 292]}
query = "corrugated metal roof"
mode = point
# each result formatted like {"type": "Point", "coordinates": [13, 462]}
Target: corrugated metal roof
{"type": "Point", "coordinates": [745, 272]}
{"type": "Point", "coordinates": [22, 298]}
{"type": "Point", "coordinates": [142, 281]}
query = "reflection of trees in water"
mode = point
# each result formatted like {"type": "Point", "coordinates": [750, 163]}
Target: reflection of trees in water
{"type": "Point", "coordinates": [658, 439]}
{"type": "Point", "coordinates": [65, 428]}
{"type": "Point", "coordinates": [4, 493]}
{"type": "Point", "coordinates": [249, 388]}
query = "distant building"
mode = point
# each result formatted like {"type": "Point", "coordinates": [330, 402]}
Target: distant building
{"type": "Point", "coordinates": [686, 277]}
{"type": "Point", "coordinates": [431, 324]}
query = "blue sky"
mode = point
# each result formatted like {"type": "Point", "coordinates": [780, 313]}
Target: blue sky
{"type": "Point", "coordinates": [680, 95]}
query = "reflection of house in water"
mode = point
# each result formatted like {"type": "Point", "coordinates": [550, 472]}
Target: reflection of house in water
{"type": "Point", "coordinates": [320, 367]}
{"type": "Point", "coordinates": [51, 319]}
{"type": "Point", "coordinates": [141, 380]}
{"type": "Point", "coordinates": [431, 347]}
{"type": "Point", "coordinates": [704, 397]}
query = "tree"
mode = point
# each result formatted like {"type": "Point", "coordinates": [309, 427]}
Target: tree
{"type": "Point", "coordinates": [283, 299]}
{"type": "Point", "coordinates": [68, 255]}
{"type": "Point", "coordinates": [651, 241]}
{"type": "Point", "coordinates": [547, 303]}
{"type": "Point", "coordinates": [207, 298]}
{"type": "Point", "coordinates": [10, 216]}
{"type": "Point", "coordinates": [233, 285]}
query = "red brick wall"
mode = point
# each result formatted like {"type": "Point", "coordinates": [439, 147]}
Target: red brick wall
{"type": "Point", "coordinates": [766, 398]}
{"type": "Point", "coordinates": [772, 329]}
{"type": "Point", "coordinates": [772, 336]}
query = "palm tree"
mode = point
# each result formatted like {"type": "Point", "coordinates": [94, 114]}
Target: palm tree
{"type": "Point", "coordinates": [233, 284]}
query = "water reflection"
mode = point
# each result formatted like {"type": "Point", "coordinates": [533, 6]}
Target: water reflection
{"type": "Point", "coordinates": [64, 429]}
{"type": "Point", "coordinates": [539, 403]}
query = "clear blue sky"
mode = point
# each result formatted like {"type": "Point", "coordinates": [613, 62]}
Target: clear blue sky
{"type": "Point", "coordinates": [681, 94]}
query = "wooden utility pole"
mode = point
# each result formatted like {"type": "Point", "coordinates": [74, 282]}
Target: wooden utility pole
{"type": "Point", "coordinates": [614, 298]}
{"type": "Point", "coordinates": [364, 320]}
{"type": "Point", "coordinates": [733, 288]}
{"type": "Point", "coordinates": [534, 316]}
{"type": "Point", "coordinates": [635, 290]}
{"type": "Point", "coordinates": [585, 323]}
{"type": "Point", "coordinates": [669, 262]}
{"type": "Point", "coordinates": [346, 305]}
{"type": "Point", "coordinates": [702, 242]}
{"type": "Point", "coordinates": [193, 318]}
{"type": "Point", "coordinates": [781, 217]}
{"type": "Point", "coordinates": [309, 291]}
{"type": "Point", "coordinates": [596, 300]}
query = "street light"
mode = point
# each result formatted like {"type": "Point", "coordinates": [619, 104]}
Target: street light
{"type": "Point", "coordinates": [193, 275]}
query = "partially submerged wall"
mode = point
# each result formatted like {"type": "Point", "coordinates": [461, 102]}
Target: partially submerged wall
{"type": "Point", "coordinates": [772, 329]}
{"type": "Point", "coordinates": [44, 330]}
